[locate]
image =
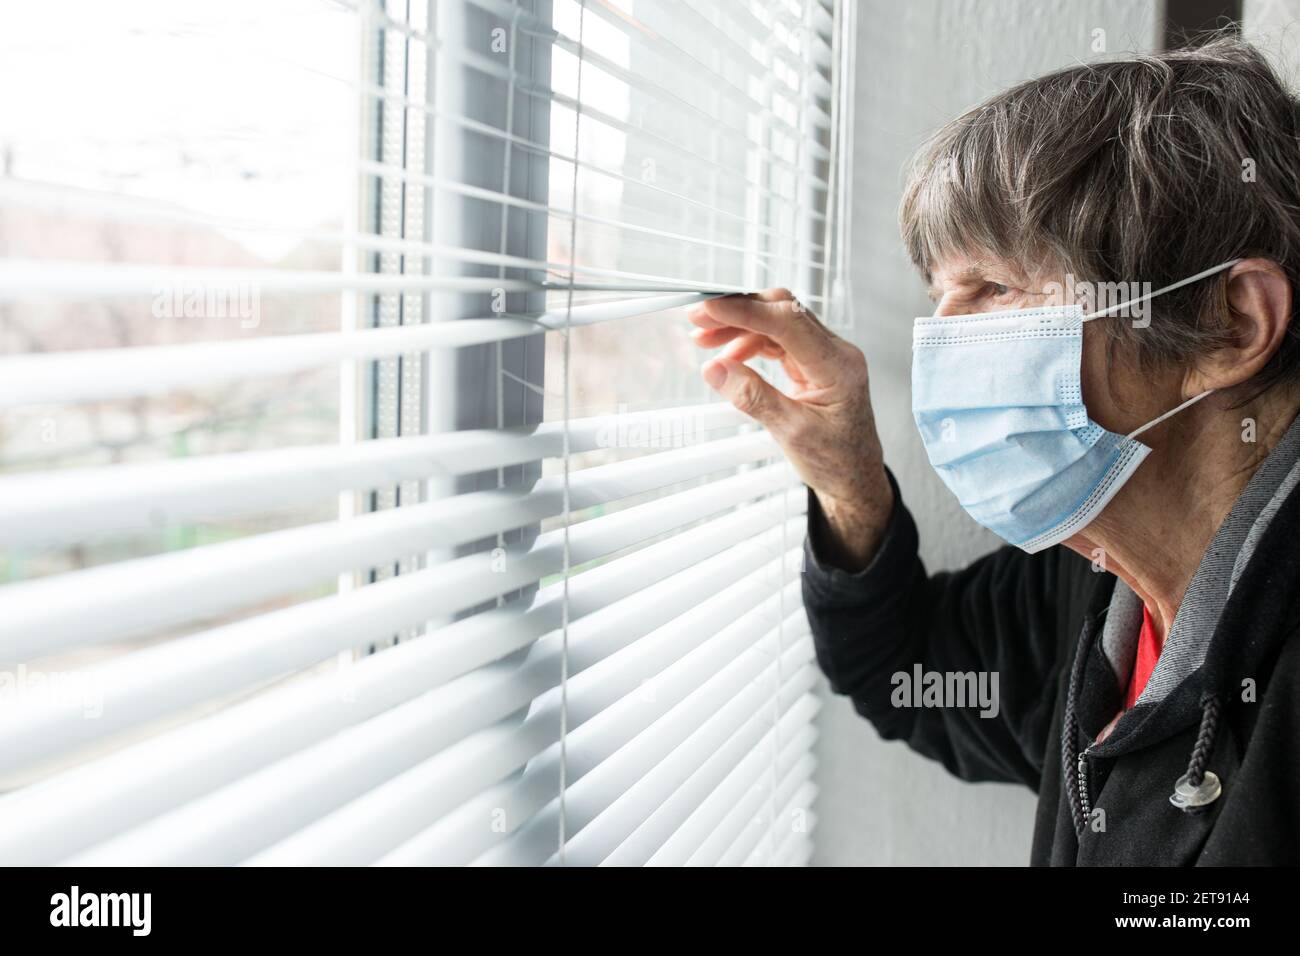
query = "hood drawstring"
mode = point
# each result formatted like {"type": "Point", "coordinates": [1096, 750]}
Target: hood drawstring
{"type": "Point", "coordinates": [1193, 791]}
{"type": "Point", "coordinates": [1071, 762]}
{"type": "Point", "coordinates": [1200, 787]}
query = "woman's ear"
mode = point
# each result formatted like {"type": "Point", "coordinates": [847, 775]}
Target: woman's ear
{"type": "Point", "coordinates": [1259, 313]}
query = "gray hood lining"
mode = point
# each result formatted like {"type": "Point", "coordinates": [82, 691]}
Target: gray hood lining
{"type": "Point", "coordinates": [1189, 639]}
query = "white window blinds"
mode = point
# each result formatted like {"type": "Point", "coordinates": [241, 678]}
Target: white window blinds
{"type": "Point", "coordinates": [359, 499]}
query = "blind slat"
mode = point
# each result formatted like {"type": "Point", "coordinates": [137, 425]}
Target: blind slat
{"type": "Point", "coordinates": [646, 811]}
{"type": "Point", "coordinates": [716, 823]}
{"type": "Point", "coordinates": [636, 28]}
{"type": "Point", "coordinates": [753, 815]}
{"type": "Point", "coordinates": [793, 793]}
{"type": "Point", "coordinates": [47, 822]}
{"type": "Point", "coordinates": [84, 503]}
{"type": "Point", "coordinates": [453, 730]}
{"type": "Point", "coordinates": [493, 196]}
{"type": "Point", "coordinates": [795, 848]}
{"type": "Point", "coordinates": [644, 84]}
{"type": "Point", "coordinates": [128, 599]}
{"type": "Point", "coordinates": [71, 201]}
{"type": "Point", "coordinates": [72, 280]}
{"type": "Point", "coordinates": [587, 752]}
{"type": "Point", "coordinates": [802, 167]}
{"type": "Point", "coordinates": [394, 811]}
{"type": "Point", "coordinates": [384, 817]}
{"type": "Point", "coordinates": [185, 671]}
{"type": "Point", "coordinates": [626, 674]}
{"type": "Point", "coordinates": [100, 374]}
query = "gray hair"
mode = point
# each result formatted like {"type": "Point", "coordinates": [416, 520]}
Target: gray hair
{"type": "Point", "coordinates": [1131, 170]}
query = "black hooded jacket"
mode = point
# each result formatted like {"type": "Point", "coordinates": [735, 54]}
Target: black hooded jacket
{"type": "Point", "coordinates": [1222, 706]}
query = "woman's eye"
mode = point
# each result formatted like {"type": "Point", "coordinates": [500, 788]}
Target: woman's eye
{"type": "Point", "coordinates": [998, 289]}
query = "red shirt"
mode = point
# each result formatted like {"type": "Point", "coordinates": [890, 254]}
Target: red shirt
{"type": "Point", "coordinates": [1148, 651]}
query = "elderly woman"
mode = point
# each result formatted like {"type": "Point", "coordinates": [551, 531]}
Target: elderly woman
{"type": "Point", "coordinates": [1139, 457]}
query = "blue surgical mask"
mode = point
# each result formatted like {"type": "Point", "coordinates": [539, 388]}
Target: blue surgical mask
{"type": "Point", "coordinates": [999, 404]}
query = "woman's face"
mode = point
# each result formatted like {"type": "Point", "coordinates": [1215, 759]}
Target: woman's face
{"type": "Point", "coordinates": [1119, 396]}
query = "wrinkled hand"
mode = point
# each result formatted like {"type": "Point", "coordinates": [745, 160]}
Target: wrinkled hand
{"type": "Point", "coordinates": [825, 425]}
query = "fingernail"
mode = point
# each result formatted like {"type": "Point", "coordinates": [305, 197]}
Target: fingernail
{"type": "Point", "coordinates": [715, 374]}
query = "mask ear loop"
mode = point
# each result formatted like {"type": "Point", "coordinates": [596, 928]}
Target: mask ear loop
{"type": "Point", "coordinates": [1204, 273]}
{"type": "Point", "coordinates": [1169, 414]}
{"type": "Point", "coordinates": [1161, 291]}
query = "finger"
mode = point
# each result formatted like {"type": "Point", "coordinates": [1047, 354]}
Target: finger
{"type": "Point", "coordinates": [699, 313]}
{"type": "Point", "coordinates": [716, 338]}
{"type": "Point", "coordinates": [794, 372]}
{"type": "Point", "coordinates": [786, 323]}
{"type": "Point", "coordinates": [749, 345]}
{"type": "Point", "coordinates": [749, 393]}
{"type": "Point", "coordinates": [699, 316]}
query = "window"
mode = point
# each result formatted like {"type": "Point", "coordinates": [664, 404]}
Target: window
{"type": "Point", "coordinates": [362, 502]}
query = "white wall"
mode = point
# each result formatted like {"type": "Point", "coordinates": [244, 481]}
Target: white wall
{"type": "Point", "coordinates": [920, 63]}
{"type": "Point", "coordinates": [1274, 26]}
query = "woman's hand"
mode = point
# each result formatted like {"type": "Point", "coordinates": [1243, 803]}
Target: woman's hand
{"type": "Point", "coordinates": [825, 426]}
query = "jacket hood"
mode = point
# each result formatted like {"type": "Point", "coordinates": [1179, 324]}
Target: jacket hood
{"type": "Point", "coordinates": [1205, 659]}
